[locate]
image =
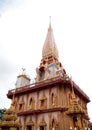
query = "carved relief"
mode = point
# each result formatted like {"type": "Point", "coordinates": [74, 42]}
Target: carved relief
{"type": "Point", "coordinates": [21, 104]}
{"type": "Point", "coordinates": [30, 125]}
{"type": "Point", "coordinates": [43, 124]}
{"type": "Point", "coordinates": [53, 123]}
{"type": "Point", "coordinates": [43, 102]}
{"type": "Point", "coordinates": [53, 100]}
{"type": "Point", "coordinates": [31, 104]}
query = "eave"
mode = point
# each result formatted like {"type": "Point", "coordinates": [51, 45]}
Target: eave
{"type": "Point", "coordinates": [38, 111]}
{"type": "Point", "coordinates": [46, 84]}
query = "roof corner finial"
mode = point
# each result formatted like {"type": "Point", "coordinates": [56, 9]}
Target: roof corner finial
{"type": "Point", "coordinates": [72, 84]}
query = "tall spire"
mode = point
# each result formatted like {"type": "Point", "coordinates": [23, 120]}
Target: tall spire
{"type": "Point", "coordinates": [50, 48]}
{"type": "Point", "coordinates": [49, 65]}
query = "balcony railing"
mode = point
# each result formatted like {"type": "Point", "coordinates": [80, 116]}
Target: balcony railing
{"type": "Point", "coordinates": [65, 79]}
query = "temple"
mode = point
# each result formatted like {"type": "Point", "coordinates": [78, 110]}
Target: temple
{"type": "Point", "coordinates": [53, 101]}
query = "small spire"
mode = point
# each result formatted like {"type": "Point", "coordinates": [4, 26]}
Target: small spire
{"type": "Point", "coordinates": [74, 107]}
{"type": "Point", "coordinates": [23, 71]}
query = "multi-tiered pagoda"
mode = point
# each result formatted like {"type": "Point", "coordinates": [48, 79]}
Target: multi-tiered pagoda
{"type": "Point", "coordinates": [53, 101]}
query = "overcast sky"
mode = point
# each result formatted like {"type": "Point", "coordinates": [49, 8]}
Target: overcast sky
{"type": "Point", "coordinates": [23, 29]}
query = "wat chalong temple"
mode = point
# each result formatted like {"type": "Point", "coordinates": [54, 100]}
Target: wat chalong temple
{"type": "Point", "coordinates": [54, 101]}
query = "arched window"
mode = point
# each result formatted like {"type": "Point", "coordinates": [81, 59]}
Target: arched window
{"type": "Point", "coordinates": [43, 125]}
{"type": "Point", "coordinates": [20, 107]}
{"type": "Point", "coordinates": [21, 104]}
{"type": "Point", "coordinates": [75, 121]}
{"type": "Point", "coordinates": [42, 128]}
{"type": "Point", "coordinates": [5, 128]}
{"type": "Point", "coordinates": [31, 101]}
{"type": "Point", "coordinates": [53, 124]}
{"type": "Point", "coordinates": [30, 125]}
{"type": "Point", "coordinates": [43, 102]}
{"type": "Point", "coordinates": [52, 99]}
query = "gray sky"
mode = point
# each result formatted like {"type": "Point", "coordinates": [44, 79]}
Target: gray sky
{"type": "Point", "coordinates": [23, 29]}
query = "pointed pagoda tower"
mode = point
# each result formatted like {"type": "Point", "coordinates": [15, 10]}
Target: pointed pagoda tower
{"type": "Point", "coordinates": [50, 66]}
{"type": "Point", "coordinates": [53, 102]}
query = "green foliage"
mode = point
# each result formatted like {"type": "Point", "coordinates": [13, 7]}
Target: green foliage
{"type": "Point", "coordinates": [2, 112]}
{"type": "Point", "coordinates": [91, 125]}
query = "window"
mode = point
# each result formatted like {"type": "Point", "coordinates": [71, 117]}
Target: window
{"type": "Point", "coordinates": [53, 123]}
{"type": "Point", "coordinates": [41, 127]}
{"type": "Point", "coordinates": [21, 104]}
{"type": "Point", "coordinates": [52, 99]}
{"type": "Point", "coordinates": [20, 107]}
{"type": "Point", "coordinates": [75, 121]}
{"type": "Point", "coordinates": [42, 103]}
{"type": "Point", "coordinates": [29, 127]}
{"type": "Point", "coordinates": [30, 101]}
{"type": "Point", "coordinates": [31, 104]}
{"type": "Point", "coordinates": [5, 128]}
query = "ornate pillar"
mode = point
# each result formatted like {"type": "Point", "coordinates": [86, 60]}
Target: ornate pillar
{"type": "Point", "coordinates": [27, 101]}
{"type": "Point", "coordinates": [36, 125]}
{"type": "Point", "coordinates": [70, 123]}
{"type": "Point", "coordinates": [49, 97]}
{"type": "Point", "coordinates": [62, 95]}
{"type": "Point", "coordinates": [63, 115]}
{"type": "Point", "coordinates": [59, 120]}
{"type": "Point", "coordinates": [58, 94]}
{"type": "Point", "coordinates": [50, 123]}
{"type": "Point", "coordinates": [37, 102]}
